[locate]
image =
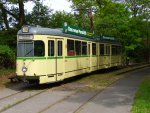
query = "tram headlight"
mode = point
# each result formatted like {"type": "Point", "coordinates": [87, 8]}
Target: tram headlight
{"type": "Point", "coordinates": [24, 69]}
{"type": "Point", "coordinates": [25, 29]}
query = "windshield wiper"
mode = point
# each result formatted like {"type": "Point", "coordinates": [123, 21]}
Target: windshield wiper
{"type": "Point", "coordinates": [29, 52]}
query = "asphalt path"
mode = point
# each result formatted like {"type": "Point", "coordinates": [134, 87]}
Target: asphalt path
{"type": "Point", "coordinates": [117, 98]}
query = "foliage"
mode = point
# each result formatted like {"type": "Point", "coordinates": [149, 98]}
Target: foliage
{"type": "Point", "coordinates": [142, 99]}
{"type": "Point", "coordinates": [139, 7]}
{"type": "Point", "coordinates": [17, 13]}
{"type": "Point", "coordinates": [40, 15]}
{"type": "Point", "coordinates": [6, 72]}
{"type": "Point", "coordinates": [114, 20]}
{"type": "Point", "coordinates": [8, 37]}
{"type": "Point", "coordinates": [58, 18]}
{"type": "Point", "coordinates": [128, 22]}
{"type": "Point", "coordinates": [7, 57]}
{"type": "Point", "coordinates": [8, 48]}
{"type": "Point", "coordinates": [83, 10]}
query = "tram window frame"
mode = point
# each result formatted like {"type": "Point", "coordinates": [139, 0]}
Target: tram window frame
{"type": "Point", "coordinates": [114, 50]}
{"type": "Point", "coordinates": [51, 50]}
{"type": "Point", "coordinates": [118, 50]}
{"type": "Point", "coordinates": [94, 49]}
{"type": "Point", "coordinates": [78, 47]}
{"type": "Point", "coordinates": [71, 47]}
{"type": "Point", "coordinates": [84, 48]}
{"type": "Point", "coordinates": [25, 51]}
{"type": "Point", "coordinates": [59, 48]}
{"type": "Point", "coordinates": [102, 49]}
{"type": "Point", "coordinates": [42, 52]}
{"type": "Point", "coordinates": [32, 50]}
{"type": "Point", "coordinates": [107, 49]}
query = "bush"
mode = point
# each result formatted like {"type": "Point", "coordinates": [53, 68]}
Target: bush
{"type": "Point", "coordinates": [7, 57]}
{"type": "Point", "coordinates": [8, 37]}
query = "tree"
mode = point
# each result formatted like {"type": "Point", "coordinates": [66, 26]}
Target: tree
{"type": "Point", "coordinates": [58, 18]}
{"type": "Point", "coordinates": [114, 19]}
{"type": "Point", "coordinates": [4, 15]}
{"type": "Point", "coordinates": [140, 10]}
{"type": "Point", "coordinates": [84, 13]}
{"type": "Point", "coordinates": [138, 7]}
{"type": "Point", "coordinates": [40, 15]}
{"type": "Point", "coordinates": [14, 12]}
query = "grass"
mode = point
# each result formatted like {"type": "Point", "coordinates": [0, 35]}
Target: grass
{"type": "Point", "coordinates": [99, 80]}
{"type": "Point", "coordinates": [142, 99]}
{"type": "Point", "coordinates": [4, 74]}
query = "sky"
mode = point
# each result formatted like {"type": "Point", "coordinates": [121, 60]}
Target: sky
{"type": "Point", "coordinates": [56, 5]}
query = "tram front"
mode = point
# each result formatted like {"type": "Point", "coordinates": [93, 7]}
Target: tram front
{"type": "Point", "coordinates": [31, 60]}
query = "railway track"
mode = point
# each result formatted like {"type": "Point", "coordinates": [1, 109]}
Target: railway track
{"type": "Point", "coordinates": [5, 107]}
{"type": "Point", "coordinates": [23, 95]}
{"type": "Point", "coordinates": [46, 99]}
{"type": "Point", "coordinates": [53, 107]}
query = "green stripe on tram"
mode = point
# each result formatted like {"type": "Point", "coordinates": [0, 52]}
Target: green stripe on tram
{"type": "Point", "coordinates": [44, 58]}
{"type": "Point", "coordinates": [31, 58]}
{"type": "Point", "coordinates": [75, 56]}
{"type": "Point", "coordinates": [60, 57]}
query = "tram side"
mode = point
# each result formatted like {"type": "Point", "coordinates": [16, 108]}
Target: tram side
{"type": "Point", "coordinates": [49, 58]}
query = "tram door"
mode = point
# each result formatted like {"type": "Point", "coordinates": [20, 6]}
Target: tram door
{"type": "Point", "coordinates": [59, 59]}
{"type": "Point", "coordinates": [107, 55]}
{"type": "Point", "coordinates": [55, 60]}
{"type": "Point", "coordinates": [90, 57]}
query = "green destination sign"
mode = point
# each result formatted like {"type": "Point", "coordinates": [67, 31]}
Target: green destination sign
{"type": "Point", "coordinates": [108, 38]}
{"type": "Point", "coordinates": [77, 31]}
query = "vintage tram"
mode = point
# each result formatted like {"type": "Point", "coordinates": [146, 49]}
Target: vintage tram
{"type": "Point", "coordinates": [46, 55]}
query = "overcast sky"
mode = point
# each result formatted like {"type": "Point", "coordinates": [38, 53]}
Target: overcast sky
{"type": "Point", "coordinates": [56, 5]}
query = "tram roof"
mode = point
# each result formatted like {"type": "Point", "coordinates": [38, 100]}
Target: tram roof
{"type": "Point", "coordinates": [57, 32]}
{"type": "Point", "coordinates": [50, 31]}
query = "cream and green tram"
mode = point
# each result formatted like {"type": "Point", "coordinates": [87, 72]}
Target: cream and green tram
{"type": "Point", "coordinates": [47, 55]}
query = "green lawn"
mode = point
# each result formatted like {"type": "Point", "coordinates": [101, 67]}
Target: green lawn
{"type": "Point", "coordinates": [142, 99]}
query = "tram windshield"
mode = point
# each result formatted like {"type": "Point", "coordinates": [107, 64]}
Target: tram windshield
{"type": "Point", "coordinates": [30, 49]}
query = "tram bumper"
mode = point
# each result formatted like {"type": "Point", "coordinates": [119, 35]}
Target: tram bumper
{"type": "Point", "coordinates": [29, 79]}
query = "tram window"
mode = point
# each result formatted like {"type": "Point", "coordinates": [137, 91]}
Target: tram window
{"type": "Point", "coordinates": [84, 48]}
{"type": "Point", "coordinates": [39, 49]}
{"type": "Point", "coordinates": [78, 47]}
{"type": "Point", "coordinates": [118, 50]}
{"type": "Point", "coordinates": [51, 48]}
{"type": "Point", "coordinates": [93, 48]}
{"type": "Point", "coordinates": [113, 50]}
{"type": "Point", "coordinates": [107, 49]}
{"type": "Point", "coordinates": [25, 49]}
{"type": "Point", "coordinates": [59, 48]}
{"type": "Point", "coordinates": [70, 48]}
{"type": "Point", "coordinates": [30, 49]}
{"type": "Point", "coordinates": [101, 49]}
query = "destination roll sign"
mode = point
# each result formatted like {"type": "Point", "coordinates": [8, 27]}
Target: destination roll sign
{"type": "Point", "coordinates": [77, 31]}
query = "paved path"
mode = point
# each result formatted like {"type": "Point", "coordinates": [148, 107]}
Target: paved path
{"type": "Point", "coordinates": [117, 98]}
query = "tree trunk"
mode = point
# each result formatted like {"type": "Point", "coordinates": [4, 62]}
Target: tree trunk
{"type": "Point", "coordinates": [21, 13]}
{"type": "Point", "coordinates": [4, 15]}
